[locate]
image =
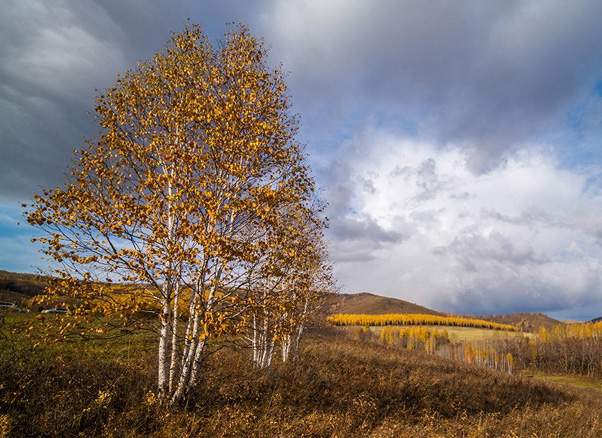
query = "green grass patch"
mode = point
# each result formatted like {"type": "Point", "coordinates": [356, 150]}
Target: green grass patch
{"type": "Point", "coordinates": [565, 379]}
{"type": "Point", "coordinates": [40, 331]}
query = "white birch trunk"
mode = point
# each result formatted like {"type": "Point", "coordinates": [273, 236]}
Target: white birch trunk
{"type": "Point", "coordinates": [299, 330]}
{"type": "Point", "coordinates": [164, 341]}
{"type": "Point", "coordinates": [189, 351]}
{"type": "Point", "coordinates": [166, 306]}
{"type": "Point", "coordinates": [286, 347]}
{"type": "Point", "coordinates": [198, 355]}
{"type": "Point", "coordinates": [174, 338]}
{"type": "Point", "coordinates": [255, 341]}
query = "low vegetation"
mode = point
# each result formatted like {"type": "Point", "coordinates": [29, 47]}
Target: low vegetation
{"type": "Point", "coordinates": [336, 387]}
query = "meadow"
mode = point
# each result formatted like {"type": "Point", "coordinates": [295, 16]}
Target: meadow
{"type": "Point", "coordinates": [337, 387]}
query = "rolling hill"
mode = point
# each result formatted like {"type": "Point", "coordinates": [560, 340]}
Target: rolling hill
{"type": "Point", "coordinates": [527, 322]}
{"type": "Point", "coordinates": [370, 304]}
{"type": "Point", "coordinates": [18, 287]}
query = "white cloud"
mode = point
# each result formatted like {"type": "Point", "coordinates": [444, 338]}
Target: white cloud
{"type": "Point", "coordinates": [521, 237]}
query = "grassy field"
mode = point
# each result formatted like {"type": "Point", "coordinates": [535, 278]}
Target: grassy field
{"type": "Point", "coordinates": [336, 388]}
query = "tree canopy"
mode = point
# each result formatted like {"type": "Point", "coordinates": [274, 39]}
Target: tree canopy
{"type": "Point", "coordinates": [196, 190]}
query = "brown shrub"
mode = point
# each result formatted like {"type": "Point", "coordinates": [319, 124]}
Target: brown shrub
{"type": "Point", "coordinates": [336, 388]}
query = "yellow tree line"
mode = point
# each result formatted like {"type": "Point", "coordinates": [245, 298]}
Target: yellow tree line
{"type": "Point", "coordinates": [562, 332]}
{"type": "Point", "coordinates": [484, 356]}
{"type": "Point", "coordinates": [413, 338]}
{"type": "Point", "coordinates": [414, 319]}
{"type": "Point", "coordinates": [436, 341]}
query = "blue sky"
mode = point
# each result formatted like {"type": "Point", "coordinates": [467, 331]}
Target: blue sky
{"type": "Point", "coordinates": [457, 143]}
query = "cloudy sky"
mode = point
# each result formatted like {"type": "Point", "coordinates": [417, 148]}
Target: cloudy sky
{"type": "Point", "coordinates": [457, 143]}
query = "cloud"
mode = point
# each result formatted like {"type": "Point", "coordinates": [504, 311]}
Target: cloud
{"type": "Point", "coordinates": [484, 76]}
{"type": "Point", "coordinates": [524, 236]}
{"type": "Point", "coordinates": [54, 56]}
{"type": "Point", "coordinates": [356, 239]}
{"type": "Point", "coordinates": [49, 70]}
{"type": "Point", "coordinates": [424, 122]}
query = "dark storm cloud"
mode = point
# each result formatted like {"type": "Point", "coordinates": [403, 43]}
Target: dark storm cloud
{"type": "Point", "coordinates": [485, 75]}
{"type": "Point", "coordinates": [358, 238]}
{"type": "Point", "coordinates": [528, 294]}
{"type": "Point", "coordinates": [360, 241]}
{"type": "Point", "coordinates": [53, 55]}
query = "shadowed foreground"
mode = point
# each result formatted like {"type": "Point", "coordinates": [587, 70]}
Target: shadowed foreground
{"type": "Point", "coordinates": [336, 388]}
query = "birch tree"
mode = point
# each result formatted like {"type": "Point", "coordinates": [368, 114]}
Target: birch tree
{"type": "Point", "coordinates": [188, 175]}
{"type": "Point", "coordinates": [294, 277]}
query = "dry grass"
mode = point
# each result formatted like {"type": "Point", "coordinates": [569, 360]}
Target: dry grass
{"type": "Point", "coordinates": [336, 388]}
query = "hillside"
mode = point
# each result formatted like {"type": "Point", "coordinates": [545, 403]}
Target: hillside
{"type": "Point", "coordinates": [527, 322]}
{"type": "Point", "coordinates": [370, 304]}
{"type": "Point", "coordinates": [18, 287]}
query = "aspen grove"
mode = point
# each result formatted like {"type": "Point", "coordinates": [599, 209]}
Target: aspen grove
{"type": "Point", "coordinates": [197, 190]}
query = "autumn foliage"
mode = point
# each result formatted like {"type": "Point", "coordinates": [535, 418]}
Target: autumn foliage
{"type": "Point", "coordinates": [570, 349]}
{"type": "Point", "coordinates": [196, 190]}
{"type": "Point", "coordinates": [414, 338]}
{"type": "Point", "coordinates": [565, 349]}
{"type": "Point", "coordinates": [411, 319]}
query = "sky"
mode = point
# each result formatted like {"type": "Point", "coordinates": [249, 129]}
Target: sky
{"type": "Point", "coordinates": [458, 144]}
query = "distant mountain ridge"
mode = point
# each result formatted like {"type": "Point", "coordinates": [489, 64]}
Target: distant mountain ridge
{"type": "Point", "coordinates": [527, 322]}
{"type": "Point", "coordinates": [371, 304]}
